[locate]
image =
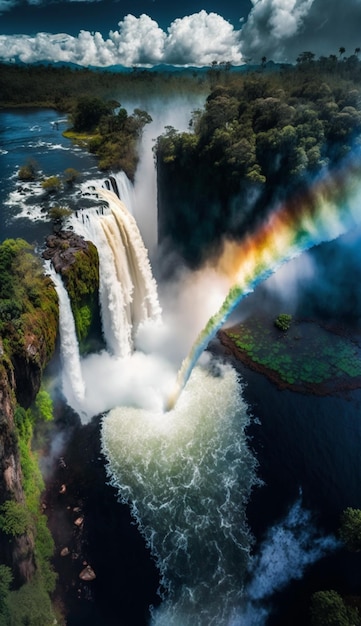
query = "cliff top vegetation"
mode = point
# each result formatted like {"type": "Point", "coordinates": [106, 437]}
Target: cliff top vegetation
{"type": "Point", "coordinates": [259, 137]}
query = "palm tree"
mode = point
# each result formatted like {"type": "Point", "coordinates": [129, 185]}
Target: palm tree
{"type": "Point", "coordinates": [342, 50]}
{"type": "Point", "coordinates": [357, 51]}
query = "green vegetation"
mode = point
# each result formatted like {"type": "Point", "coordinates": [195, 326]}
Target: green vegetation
{"type": "Point", "coordinates": [71, 175]}
{"type": "Point", "coordinates": [31, 603]}
{"type": "Point", "coordinates": [51, 184]}
{"type": "Point", "coordinates": [28, 330]}
{"type": "Point", "coordinates": [59, 214]}
{"type": "Point", "coordinates": [82, 283]}
{"type": "Point", "coordinates": [283, 321]}
{"type": "Point", "coordinates": [259, 138]}
{"type": "Point", "coordinates": [14, 518]}
{"type": "Point", "coordinates": [43, 406]}
{"type": "Point", "coordinates": [308, 356]}
{"type": "Point", "coordinates": [329, 609]}
{"type": "Point", "coordinates": [28, 304]}
{"type": "Point", "coordinates": [350, 530]}
{"type": "Point", "coordinates": [60, 86]}
{"type": "Point", "coordinates": [6, 579]}
{"type": "Point", "coordinates": [109, 132]}
{"type": "Point", "coordinates": [28, 171]}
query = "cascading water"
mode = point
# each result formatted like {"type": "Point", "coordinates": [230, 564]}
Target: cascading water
{"type": "Point", "coordinates": [128, 292]}
{"type": "Point", "coordinates": [73, 383]}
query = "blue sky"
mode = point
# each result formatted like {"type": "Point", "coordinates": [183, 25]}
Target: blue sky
{"type": "Point", "coordinates": [195, 32]}
{"type": "Point", "coordinates": [103, 15]}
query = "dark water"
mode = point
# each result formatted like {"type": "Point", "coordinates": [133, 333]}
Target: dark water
{"type": "Point", "coordinates": [302, 443]}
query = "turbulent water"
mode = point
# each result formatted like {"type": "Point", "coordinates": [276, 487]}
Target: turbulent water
{"type": "Point", "coordinates": [187, 475]}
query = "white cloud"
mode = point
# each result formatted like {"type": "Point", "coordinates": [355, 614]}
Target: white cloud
{"type": "Point", "coordinates": [197, 39]}
{"type": "Point", "coordinates": [277, 29]}
{"type": "Point", "coordinates": [203, 35]}
{"type": "Point", "coordinates": [281, 29]}
{"type": "Point", "coordinates": [270, 24]}
{"type": "Point", "coordinates": [138, 41]}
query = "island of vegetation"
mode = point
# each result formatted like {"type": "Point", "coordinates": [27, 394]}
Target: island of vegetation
{"type": "Point", "coordinates": [296, 354]}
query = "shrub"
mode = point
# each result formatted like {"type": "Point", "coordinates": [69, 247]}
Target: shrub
{"type": "Point", "coordinates": [350, 530]}
{"type": "Point", "coordinates": [14, 518]}
{"type": "Point", "coordinates": [328, 609]}
{"type": "Point", "coordinates": [51, 184]}
{"type": "Point", "coordinates": [283, 321]}
{"type": "Point", "coordinates": [44, 406]}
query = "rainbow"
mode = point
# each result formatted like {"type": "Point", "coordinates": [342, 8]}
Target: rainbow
{"type": "Point", "coordinates": [328, 208]}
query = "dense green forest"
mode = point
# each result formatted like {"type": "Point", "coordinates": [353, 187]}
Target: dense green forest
{"type": "Point", "coordinates": [260, 137]}
{"type": "Point", "coordinates": [60, 86]}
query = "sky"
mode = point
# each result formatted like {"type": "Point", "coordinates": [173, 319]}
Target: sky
{"type": "Point", "coordinates": [195, 32]}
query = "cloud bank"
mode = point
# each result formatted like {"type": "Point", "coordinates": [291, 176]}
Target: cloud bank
{"type": "Point", "coordinates": [276, 29]}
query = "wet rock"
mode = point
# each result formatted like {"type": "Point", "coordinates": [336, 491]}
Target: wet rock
{"type": "Point", "coordinates": [65, 551]}
{"type": "Point", "coordinates": [87, 574]}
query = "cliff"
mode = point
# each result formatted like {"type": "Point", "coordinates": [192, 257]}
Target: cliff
{"type": "Point", "coordinates": [78, 263]}
{"type": "Point", "coordinates": [28, 331]}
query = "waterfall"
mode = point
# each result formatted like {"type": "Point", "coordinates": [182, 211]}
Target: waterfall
{"type": "Point", "coordinates": [128, 292]}
{"type": "Point", "coordinates": [72, 374]}
{"type": "Point", "coordinates": [119, 183]}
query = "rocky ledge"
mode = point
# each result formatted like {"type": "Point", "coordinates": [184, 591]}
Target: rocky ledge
{"type": "Point", "coordinates": [62, 248]}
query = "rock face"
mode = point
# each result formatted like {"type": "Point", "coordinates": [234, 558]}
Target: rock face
{"type": "Point", "coordinates": [62, 249]}
{"type": "Point", "coordinates": [29, 322]}
{"type": "Point", "coordinates": [18, 552]}
{"type": "Point", "coordinates": [78, 263]}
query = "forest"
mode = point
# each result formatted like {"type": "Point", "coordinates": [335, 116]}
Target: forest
{"type": "Point", "coordinates": [260, 138]}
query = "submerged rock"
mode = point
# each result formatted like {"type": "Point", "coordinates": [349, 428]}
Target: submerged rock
{"type": "Point", "coordinates": [87, 574]}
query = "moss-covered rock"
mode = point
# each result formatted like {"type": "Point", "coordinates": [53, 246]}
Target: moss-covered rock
{"type": "Point", "coordinates": [78, 263]}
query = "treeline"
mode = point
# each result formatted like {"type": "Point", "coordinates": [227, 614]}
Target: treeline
{"type": "Point", "coordinates": [259, 137]}
{"type": "Point", "coordinates": [59, 86]}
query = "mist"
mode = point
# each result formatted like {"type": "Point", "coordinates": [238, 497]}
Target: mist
{"type": "Point", "coordinates": [288, 549]}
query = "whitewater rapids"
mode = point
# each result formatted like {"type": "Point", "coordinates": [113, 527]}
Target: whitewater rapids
{"type": "Point", "coordinates": [187, 475]}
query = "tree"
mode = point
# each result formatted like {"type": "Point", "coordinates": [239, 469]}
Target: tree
{"type": "Point", "coordinates": [342, 50]}
{"type": "Point", "coordinates": [283, 321]}
{"type": "Point", "coordinates": [70, 175]}
{"type": "Point", "coordinates": [59, 214]}
{"type": "Point", "coordinates": [88, 112]}
{"type": "Point", "coordinates": [51, 184]}
{"type": "Point", "coordinates": [305, 57]}
{"type": "Point", "coordinates": [328, 609]}
{"type": "Point", "coordinates": [350, 529]}
{"type": "Point", "coordinates": [28, 171]}
{"type": "Point", "coordinates": [357, 51]}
